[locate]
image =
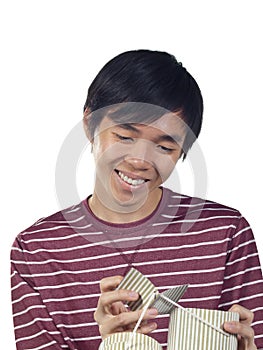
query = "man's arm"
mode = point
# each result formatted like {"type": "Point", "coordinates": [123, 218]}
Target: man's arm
{"type": "Point", "coordinates": [243, 285]}
{"type": "Point", "coordinates": [33, 325]}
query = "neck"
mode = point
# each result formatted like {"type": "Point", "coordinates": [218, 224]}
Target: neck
{"type": "Point", "coordinates": [107, 214]}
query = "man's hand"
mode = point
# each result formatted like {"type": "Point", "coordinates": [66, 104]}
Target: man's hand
{"type": "Point", "coordinates": [111, 314]}
{"type": "Point", "coordinates": [242, 328]}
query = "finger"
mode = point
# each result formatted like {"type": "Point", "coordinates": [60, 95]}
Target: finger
{"type": "Point", "coordinates": [110, 283]}
{"type": "Point", "coordinates": [118, 307]}
{"type": "Point", "coordinates": [147, 328]}
{"type": "Point", "coordinates": [132, 325]}
{"type": "Point", "coordinates": [107, 299]}
{"type": "Point", "coordinates": [123, 320]}
{"type": "Point", "coordinates": [245, 316]}
{"type": "Point", "coordinates": [242, 330]}
{"type": "Point", "coordinates": [131, 318]}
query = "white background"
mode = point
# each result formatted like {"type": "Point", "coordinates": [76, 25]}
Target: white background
{"type": "Point", "coordinates": [51, 51]}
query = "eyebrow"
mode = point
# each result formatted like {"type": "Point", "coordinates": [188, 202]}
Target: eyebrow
{"type": "Point", "coordinates": [128, 126]}
{"type": "Point", "coordinates": [168, 138]}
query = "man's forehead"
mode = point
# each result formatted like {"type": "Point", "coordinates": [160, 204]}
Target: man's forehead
{"type": "Point", "coordinates": [166, 123]}
{"type": "Point", "coordinates": [169, 123]}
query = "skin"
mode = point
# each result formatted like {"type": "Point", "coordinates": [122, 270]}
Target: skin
{"type": "Point", "coordinates": [140, 152]}
{"type": "Point", "coordinates": [243, 328]}
{"type": "Point", "coordinates": [111, 314]}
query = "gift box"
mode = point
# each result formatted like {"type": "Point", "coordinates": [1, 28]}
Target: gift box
{"type": "Point", "coordinates": [149, 294]}
{"type": "Point", "coordinates": [125, 341]}
{"type": "Point", "coordinates": [192, 328]}
{"type": "Point", "coordinates": [189, 329]}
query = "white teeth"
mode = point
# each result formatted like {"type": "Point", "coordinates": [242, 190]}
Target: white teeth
{"type": "Point", "coordinates": [129, 180]}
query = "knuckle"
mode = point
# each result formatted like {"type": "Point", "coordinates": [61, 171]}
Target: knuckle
{"type": "Point", "coordinates": [110, 283]}
{"type": "Point", "coordinates": [103, 284]}
{"type": "Point", "coordinates": [121, 319]}
{"type": "Point", "coordinates": [103, 299]}
{"type": "Point", "coordinates": [118, 280]}
{"type": "Point", "coordinates": [251, 316]}
{"type": "Point", "coordinates": [95, 316]}
{"type": "Point", "coordinates": [120, 294]}
{"type": "Point", "coordinates": [251, 333]}
{"type": "Point", "coordinates": [235, 308]}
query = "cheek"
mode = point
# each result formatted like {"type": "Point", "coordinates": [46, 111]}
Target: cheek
{"type": "Point", "coordinates": [165, 166]}
{"type": "Point", "coordinates": [109, 154]}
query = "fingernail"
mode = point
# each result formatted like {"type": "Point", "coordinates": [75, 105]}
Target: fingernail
{"type": "Point", "coordinates": [152, 326]}
{"type": "Point", "coordinates": [152, 312]}
{"type": "Point", "coordinates": [230, 325]}
{"type": "Point", "coordinates": [133, 294]}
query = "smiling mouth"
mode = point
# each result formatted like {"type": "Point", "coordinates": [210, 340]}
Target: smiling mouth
{"type": "Point", "coordinates": [129, 180]}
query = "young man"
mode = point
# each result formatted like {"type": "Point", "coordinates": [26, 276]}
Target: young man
{"type": "Point", "coordinates": [143, 112]}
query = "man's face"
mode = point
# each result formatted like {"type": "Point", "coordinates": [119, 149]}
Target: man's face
{"type": "Point", "coordinates": [133, 160]}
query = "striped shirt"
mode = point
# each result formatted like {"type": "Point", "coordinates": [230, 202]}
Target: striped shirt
{"type": "Point", "coordinates": [58, 262]}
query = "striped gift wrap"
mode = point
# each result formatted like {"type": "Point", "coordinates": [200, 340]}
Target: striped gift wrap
{"type": "Point", "coordinates": [136, 281]}
{"type": "Point", "coordinates": [189, 329]}
{"type": "Point", "coordinates": [187, 332]}
{"type": "Point", "coordinates": [123, 341]}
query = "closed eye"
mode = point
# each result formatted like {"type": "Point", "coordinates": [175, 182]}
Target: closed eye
{"type": "Point", "coordinates": [123, 138]}
{"type": "Point", "coordinates": [165, 149]}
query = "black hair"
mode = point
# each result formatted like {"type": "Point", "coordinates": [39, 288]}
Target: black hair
{"type": "Point", "coordinates": [150, 77]}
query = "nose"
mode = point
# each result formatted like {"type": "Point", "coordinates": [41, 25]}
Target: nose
{"type": "Point", "coordinates": [141, 155]}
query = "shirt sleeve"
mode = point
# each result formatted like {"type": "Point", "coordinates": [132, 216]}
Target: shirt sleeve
{"type": "Point", "coordinates": [243, 283]}
{"type": "Point", "coordinates": [34, 327]}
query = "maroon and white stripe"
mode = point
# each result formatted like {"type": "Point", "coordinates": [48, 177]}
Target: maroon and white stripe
{"type": "Point", "coordinates": [58, 262]}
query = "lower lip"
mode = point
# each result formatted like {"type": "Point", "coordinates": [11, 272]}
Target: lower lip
{"type": "Point", "coordinates": [127, 186]}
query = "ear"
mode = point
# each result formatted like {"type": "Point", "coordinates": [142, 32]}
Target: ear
{"type": "Point", "coordinates": [86, 119]}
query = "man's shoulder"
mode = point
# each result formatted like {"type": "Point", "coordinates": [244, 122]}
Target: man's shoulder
{"type": "Point", "coordinates": [194, 203]}
{"type": "Point", "coordinates": [53, 223]}
{"type": "Point", "coordinates": [202, 215]}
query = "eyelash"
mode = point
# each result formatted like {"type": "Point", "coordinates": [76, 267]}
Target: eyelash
{"type": "Point", "coordinates": [130, 139]}
{"type": "Point", "coordinates": [166, 149]}
{"type": "Point", "coordinates": [123, 138]}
